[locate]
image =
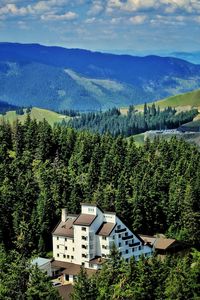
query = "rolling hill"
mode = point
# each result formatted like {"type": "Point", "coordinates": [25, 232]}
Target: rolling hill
{"type": "Point", "coordinates": [180, 102]}
{"type": "Point", "coordinates": [58, 78]}
{"type": "Point", "coordinates": [37, 114]}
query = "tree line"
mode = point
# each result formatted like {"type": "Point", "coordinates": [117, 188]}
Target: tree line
{"type": "Point", "coordinates": [147, 279]}
{"type": "Point", "coordinates": [134, 122]}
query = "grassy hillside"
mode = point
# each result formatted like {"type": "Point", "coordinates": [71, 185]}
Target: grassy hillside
{"type": "Point", "coordinates": [181, 101]}
{"type": "Point", "coordinates": [36, 113]}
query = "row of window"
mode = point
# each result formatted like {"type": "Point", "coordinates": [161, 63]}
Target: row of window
{"type": "Point", "coordinates": [65, 248]}
{"type": "Point", "coordinates": [65, 239]}
{"type": "Point", "coordinates": [133, 249]}
{"type": "Point", "coordinates": [64, 256]}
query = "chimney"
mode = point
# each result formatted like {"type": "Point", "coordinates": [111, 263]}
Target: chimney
{"type": "Point", "coordinates": [64, 214]}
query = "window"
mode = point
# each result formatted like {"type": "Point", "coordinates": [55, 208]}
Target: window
{"type": "Point", "coordinates": [83, 255]}
{"type": "Point", "coordinates": [64, 256]}
{"type": "Point", "coordinates": [140, 247]}
{"type": "Point", "coordinates": [83, 264]}
{"type": "Point", "coordinates": [83, 228]}
{"type": "Point", "coordinates": [104, 238]}
{"type": "Point", "coordinates": [126, 233]}
{"type": "Point", "coordinates": [84, 247]}
{"type": "Point", "coordinates": [90, 209]}
{"type": "Point", "coordinates": [91, 247]}
{"type": "Point", "coordinates": [84, 238]}
{"type": "Point", "coordinates": [65, 239]}
{"type": "Point", "coordinates": [126, 242]}
{"type": "Point", "coordinates": [68, 256]}
{"type": "Point", "coordinates": [57, 246]}
{"type": "Point", "coordinates": [72, 249]}
{"type": "Point", "coordinates": [65, 247]}
{"type": "Point", "coordinates": [113, 237]}
{"type": "Point", "coordinates": [120, 244]}
{"type": "Point", "coordinates": [133, 249]}
{"type": "Point", "coordinates": [119, 236]}
{"type": "Point", "coordinates": [118, 226]}
{"type": "Point", "coordinates": [103, 255]}
{"type": "Point", "coordinates": [126, 251]}
{"type": "Point", "coordinates": [72, 257]}
{"type": "Point", "coordinates": [104, 247]}
{"type": "Point", "coordinates": [73, 241]}
{"type": "Point", "coordinates": [57, 255]}
{"type": "Point", "coordinates": [91, 266]}
{"type": "Point", "coordinates": [57, 238]}
{"type": "Point", "coordinates": [127, 259]}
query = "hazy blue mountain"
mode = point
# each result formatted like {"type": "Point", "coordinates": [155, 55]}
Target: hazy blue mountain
{"type": "Point", "coordinates": [193, 57]}
{"type": "Point", "coordinates": [59, 78]}
{"type": "Point", "coordinates": [4, 107]}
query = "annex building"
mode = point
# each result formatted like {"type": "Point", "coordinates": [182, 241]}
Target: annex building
{"type": "Point", "coordinates": [87, 239]}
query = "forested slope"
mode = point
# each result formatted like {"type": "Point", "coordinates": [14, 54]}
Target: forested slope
{"type": "Point", "coordinates": [156, 188]}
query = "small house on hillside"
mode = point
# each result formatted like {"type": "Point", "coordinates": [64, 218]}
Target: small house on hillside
{"type": "Point", "coordinates": [163, 245]}
{"type": "Point", "coordinates": [44, 264]}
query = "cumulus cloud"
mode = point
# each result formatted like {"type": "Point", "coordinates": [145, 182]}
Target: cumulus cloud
{"type": "Point", "coordinates": [90, 20]}
{"type": "Point", "coordinates": [140, 19]}
{"type": "Point", "coordinates": [68, 16]}
{"type": "Point", "coordinates": [168, 6]}
{"type": "Point", "coordinates": [12, 9]}
{"type": "Point", "coordinates": [96, 8]}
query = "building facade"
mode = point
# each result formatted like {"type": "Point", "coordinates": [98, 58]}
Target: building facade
{"type": "Point", "coordinates": [87, 239]}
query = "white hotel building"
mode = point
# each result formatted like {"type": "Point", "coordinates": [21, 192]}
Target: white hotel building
{"type": "Point", "coordinates": [86, 239]}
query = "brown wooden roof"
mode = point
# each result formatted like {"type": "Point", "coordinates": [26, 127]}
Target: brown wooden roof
{"type": "Point", "coordinates": [158, 243]}
{"type": "Point", "coordinates": [106, 228]}
{"type": "Point", "coordinates": [85, 219]}
{"type": "Point", "coordinates": [164, 244]}
{"type": "Point", "coordinates": [70, 268]}
{"type": "Point", "coordinates": [65, 228]}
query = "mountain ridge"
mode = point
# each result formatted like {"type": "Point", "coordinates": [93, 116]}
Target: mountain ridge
{"type": "Point", "coordinates": [33, 74]}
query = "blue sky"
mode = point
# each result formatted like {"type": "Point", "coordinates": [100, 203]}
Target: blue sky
{"type": "Point", "coordinates": [121, 25]}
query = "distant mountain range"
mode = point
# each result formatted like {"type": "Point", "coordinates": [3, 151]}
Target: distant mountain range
{"type": "Point", "coordinates": [58, 78]}
{"type": "Point", "coordinates": [193, 57]}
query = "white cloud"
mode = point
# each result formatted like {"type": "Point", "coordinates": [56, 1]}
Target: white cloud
{"type": "Point", "coordinates": [23, 25]}
{"type": "Point", "coordinates": [12, 9]}
{"type": "Point", "coordinates": [140, 19]}
{"type": "Point", "coordinates": [132, 5]}
{"type": "Point", "coordinates": [68, 16]}
{"type": "Point", "coordinates": [96, 8]}
{"type": "Point", "coordinates": [197, 19]}
{"type": "Point", "coordinates": [167, 6]}
{"type": "Point", "coordinates": [90, 20]}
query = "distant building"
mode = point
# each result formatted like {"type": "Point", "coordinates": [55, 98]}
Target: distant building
{"type": "Point", "coordinates": [162, 245]}
{"type": "Point", "coordinates": [87, 239]}
{"type": "Point", "coordinates": [44, 264]}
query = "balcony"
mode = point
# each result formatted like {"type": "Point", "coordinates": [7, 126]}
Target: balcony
{"type": "Point", "coordinates": [124, 238]}
{"type": "Point", "coordinates": [120, 230]}
{"type": "Point", "coordinates": [134, 244]}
